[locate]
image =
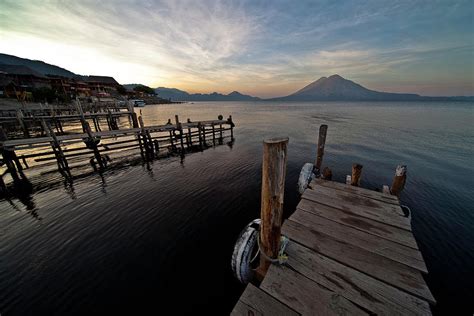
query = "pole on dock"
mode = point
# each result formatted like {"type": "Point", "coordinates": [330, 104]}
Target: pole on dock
{"type": "Point", "coordinates": [179, 127]}
{"type": "Point", "coordinates": [356, 173]}
{"type": "Point", "coordinates": [399, 180]}
{"type": "Point", "coordinates": [321, 143]}
{"type": "Point", "coordinates": [273, 187]}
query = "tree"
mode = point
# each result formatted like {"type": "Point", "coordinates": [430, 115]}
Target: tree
{"type": "Point", "coordinates": [121, 90]}
{"type": "Point", "coordinates": [44, 94]}
{"type": "Point", "coordinates": [144, 89]}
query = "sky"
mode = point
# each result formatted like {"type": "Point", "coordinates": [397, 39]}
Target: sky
{"type": "Point", "coordinates": [262, 48]}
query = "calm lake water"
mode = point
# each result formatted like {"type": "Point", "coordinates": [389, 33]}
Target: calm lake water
{"type": "Point", "coordinates": [160, 237]}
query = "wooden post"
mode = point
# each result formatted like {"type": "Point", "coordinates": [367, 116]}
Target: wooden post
{"type": "Point", "coordinates": [58, 152]}
{"type": "Point", "coordinates": [20, 117]}
{"type": "Point", "coordinates": [203, 135]}
{"type": "Point", "coordinates": [321, 143]}
{"type": "Point", "coordinates": [231, 123]}
{"type": "Point", "coordinates": [199, 134]}
{"type": "Point", "coordinates": [399, 180]}
{"type": "Point", "coordinates": [273, 187]}
{"type": "Point", "coordinates": [146, 143]}
{"type": "Point", "coordinates": [8, 157]}
{"type": "Point", "coordinates": [179, 127]}
{"type": "Point", "coordinates": [356, 173]}
{"type": "Point", "coordinates": [327, 174]}
{"type": "Point", "coordinates": [213, 135]}
{"type": "Point", "coordinates": [134, 120]}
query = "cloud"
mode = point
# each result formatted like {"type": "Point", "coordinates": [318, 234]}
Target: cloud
{"type": "Point", "coordinates": [254, 46]}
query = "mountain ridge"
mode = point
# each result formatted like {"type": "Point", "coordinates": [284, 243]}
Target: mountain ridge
{"type": "Point", "coordinates": [181, 95]}
{"type": "Point", "coordinates": [337, 88]}
{"type": "Point", "coordinates": [36, 65]}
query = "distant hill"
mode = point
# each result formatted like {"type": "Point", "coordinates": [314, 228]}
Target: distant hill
{"type": "Point", "coordinates": [337, 88]}
{"type": "Point", "coordinates": [36, 65]}
{"type": "Point", "coordinates": [180, 95]}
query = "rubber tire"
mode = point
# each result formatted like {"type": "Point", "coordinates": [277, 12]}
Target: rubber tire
{"type": "Point", "coordinates": [244, 250]}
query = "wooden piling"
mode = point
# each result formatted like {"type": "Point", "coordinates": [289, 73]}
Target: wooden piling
{"type": "Point", "coordinates": [179, 127]}
{"type": "Point", "coordinates": [203, 134]}
{"type": "Point", "coordinates": [327, 174]}
{"type": "Point", "coordinates": [356, 173]}
{"type": "Point", "coordinates": [200, 134]}
{"type": "Point", "coordinates": [273, 187]}
{"type": "Point", "coordinates": [321, 143]}
{"type": "Point", "coordinates": [213, 135]}
{"type": "Point", "coordinates": [56, 146]}
{"type": "Point", "coordinates": [20, 119]}
{"type": "Point", "coordinates": [398, 183]}
{"type": "Point", "coordinates": [8, 155]}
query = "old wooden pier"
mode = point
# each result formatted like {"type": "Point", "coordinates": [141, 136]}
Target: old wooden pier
{"type": "Point", "coordinates": [351, 250]}
{"type": "Point", "coordinates": [65, 137]}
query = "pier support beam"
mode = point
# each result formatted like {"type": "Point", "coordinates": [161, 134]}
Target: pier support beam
{"type": "Point", "coordinates": [273, 187]}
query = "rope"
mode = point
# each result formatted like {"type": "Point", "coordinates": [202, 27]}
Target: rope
{"type": "Point", "coordinates": [282, 256]}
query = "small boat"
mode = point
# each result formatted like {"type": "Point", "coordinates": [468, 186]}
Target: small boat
{"type": "Point", "coordinates": [138, 103]}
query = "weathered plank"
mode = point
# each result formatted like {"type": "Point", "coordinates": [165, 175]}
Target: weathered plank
{"type": "Point", "coordinates": [357, 190]}
{"type": "Point", "coordinates": [254, 301]}
{"type": "Point", "coordinates": [379, 215]}
{"type": "Point", "coordinates": [304, 295]}
{"type": "Point", "coordinates": [391, 272]}
{"type": "Point", "coordinates": [357, 199]}
{"type": "Point", "coordinates": [386, 248]}
{"type": "Point", "coordinates": [372, 294]}
{"type": "Point", "coordinates": [392, 233]}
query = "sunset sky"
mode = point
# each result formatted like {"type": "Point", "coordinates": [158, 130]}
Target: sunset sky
{"type": "Point", "coordinates": [262, 48]}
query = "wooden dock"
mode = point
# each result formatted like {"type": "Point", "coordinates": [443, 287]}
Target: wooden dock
{"type": "Point", "coordinates": [351, 250]}
{"type": "Point", "coordinates": [69, 140]}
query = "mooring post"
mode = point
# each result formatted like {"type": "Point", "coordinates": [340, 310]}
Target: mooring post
{"type": "Point", "coordinates": [321, 143]}
{"type": "Point", "coordinates": [399, 180]}
{"type": "Point", "coordinates": [273, 187]}
{"type": "Point", "coordinates": [327, 174]}
{"type": "Point", "coordinates": [356, 173]}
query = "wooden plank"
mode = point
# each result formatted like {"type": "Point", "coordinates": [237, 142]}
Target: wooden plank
{"type": "Point", "coordinates": [347, 218]}
{"type": "Point", "coordinates": [372, 294]}
{"type": "Point", "coordinates": [384, 269]}
{"type": "Point", "coordinates": [386, 248]}
{"type": "Point", "coordinates": [379, 215]}
{"type": "Point", "coordinates": [357, 190]}
{"type": "Point", "coordinates": [359, 200]}
{"type": "Point", "coordinates": [304, 295]}
{"type": "Point", "coordinates": [254, 301]}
